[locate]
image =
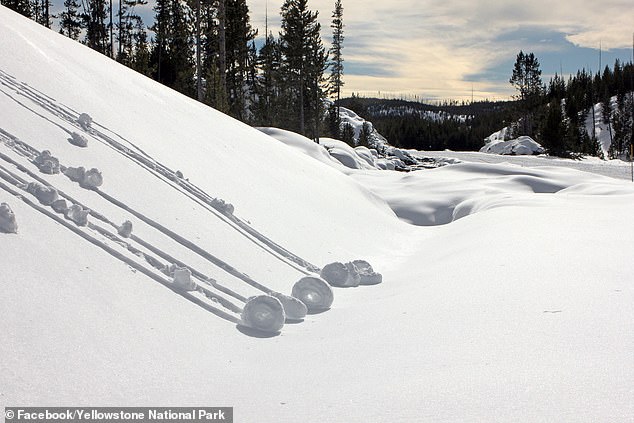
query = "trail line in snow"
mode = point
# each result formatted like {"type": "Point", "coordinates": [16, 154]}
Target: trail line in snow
{"type": "Point", "coordinates": [188, 244]}
{"type": "Point", "coordinates": [128, 261]}
{"type": "Point", "coordinates": [159, 170]}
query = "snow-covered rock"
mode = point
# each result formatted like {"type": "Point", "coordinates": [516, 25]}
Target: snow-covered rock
{"type": "Point", "coordinates": [8, 223]}
{"type": "Point", "coordinates": [523, 145]}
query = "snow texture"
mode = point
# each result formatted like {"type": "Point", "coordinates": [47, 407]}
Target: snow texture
{"type": "Point", "coordinates": [8, 223]}
{"type": "Point", "coordinates": [264, 313]}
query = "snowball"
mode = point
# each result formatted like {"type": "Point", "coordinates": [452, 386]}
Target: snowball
{"type": "Point", "coordinates": [86, 179]}
{"type": "Point", "coordinates": [92, 179]}
{"type": "Point", "coordinates": [367, 275]}
{"type": "Point", "coordinates": [125, 230]}
{"type": "Point", "coordinates": [75, 174]}
{"type": "Point", "coordinates": [263, 313]}
{"type": "Point", "coordinates": [341, 275]}
{"type": "Point", "coordinates": [85, 121]}
{"type": "Point", "coordinates": [222, 206]}
{"type": "Point", "coordinates": [78, 215]}
{"type": "Point", "coordinates": [314, 292]}
{"type": "Point", "coordinates": [78, 140]}
{"type": "Point", "coordinates": [183, 279]}
{"type": "Point", "coordinates": [8, 224]}
{"type": "Point", "coordinates": [46, 163]}
{"type": "Point", "coordinates": [45, 195]}
{"type": "Point", "coordinates": [60, 206]}
{"type": "Point", "coordinates": [294, 309]}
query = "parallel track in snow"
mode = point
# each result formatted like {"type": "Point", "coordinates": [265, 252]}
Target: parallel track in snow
{"type": "Point", "coordinates": [159, 170]}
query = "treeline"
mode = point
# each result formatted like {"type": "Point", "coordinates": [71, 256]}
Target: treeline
{"type": "Point", "coordinates": [558, 114]}
{"type": "Point", "coordinates": [206, 49]}
{"type": "Point", "coordinates": [455, 126]}
{"type": "Point", "coordinates": [563, 123]}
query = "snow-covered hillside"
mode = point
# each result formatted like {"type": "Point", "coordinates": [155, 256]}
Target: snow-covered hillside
{"type": "Point", "coordinates": [505, 293]}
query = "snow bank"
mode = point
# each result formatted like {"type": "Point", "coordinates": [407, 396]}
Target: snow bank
{"type": "Point", "coordinates": [520, 146]}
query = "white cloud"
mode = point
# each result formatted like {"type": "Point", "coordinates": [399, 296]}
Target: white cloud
{"type": "Point", "coordinates": [429, 47]}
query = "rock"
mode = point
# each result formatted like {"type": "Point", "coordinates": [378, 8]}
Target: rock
{"type": "Point", "coordinates": [341, 275]}
{"type": "Point", "coordinates": [85, 121]}
{"type": "Point", "coordinates": [182, 278]}
{"type": "Point", "coordinates": [45, 195]}
{"type": "Point", "coordinates": [78, 140]}
{"type": "Point", "coordinates": [77, 214]}
{"type": "Point", "coordinates": [263, 313]}
{"type": "Point", "coordinates": [8, 224]}
{"type": "Point", "coordinates": [294, 309]}
{"type": "Point", "coordinates": [314, 292]}
{"type": "Point", "coordinates": [125, 230]}
{"type": "Point", "coordinates": [367, 274]}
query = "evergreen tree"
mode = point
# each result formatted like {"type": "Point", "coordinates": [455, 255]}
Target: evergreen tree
{"type": "Point", "coordinates": [239, 59]}
{"type": "Point", "coordinates": [304, 61]}
{"type": "Point", "coordinates": [347, 134]}
{"type": "Point", "coordinates": [23, 7]}
{"type": "Point", "coordinates": [526, 78]}
{"type": "Point", "coordinates": [70, 20]}
{"type": "Point", "coordinates": [95, 15]}
{"type": "Point", "coordinates": [364, 135]}
{"type": "Point", "coordinates": [172, 55]}
{"type": "Point", "coordinates": [336, 63]}
{"type": "Point", "coordinates": [268, 84]}
{"type": "Point", "coordinates": [131, 32]}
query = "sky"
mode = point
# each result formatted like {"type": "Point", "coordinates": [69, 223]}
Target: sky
{"type": "Point", "coordinates": [453, 49]}
{"type": "Point", "coordinates": [432, 50]}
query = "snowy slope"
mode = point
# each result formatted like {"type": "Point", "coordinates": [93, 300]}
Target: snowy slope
{"type": "Point", "coordinates": [520, 310]}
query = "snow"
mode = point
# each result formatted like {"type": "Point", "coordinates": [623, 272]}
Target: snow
{"type": "Point", "coordinates": [523, 145]}
{"type": "Point", "coordinates": [509, 298]}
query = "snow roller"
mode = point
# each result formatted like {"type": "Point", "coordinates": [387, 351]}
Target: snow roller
{"type": "Point", "coordinates": [263, 313]}
{"type": "Point", "coordinates": [314, 292]}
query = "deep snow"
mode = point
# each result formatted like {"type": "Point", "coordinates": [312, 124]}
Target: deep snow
{"type": "Point", "coordinates": [519, 309]}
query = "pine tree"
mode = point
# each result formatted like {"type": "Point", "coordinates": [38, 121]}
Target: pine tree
{"type": "Point", "coordinates": [347, 134]}
{"type": "Point", "coordinates": [70, 20]}
{"type": "Point", "coordinates": [526, 78]}
{"type": "Point", "coordinates": [336, 63]}
{"type": "Point", "coordinates": [23, 7]}
{"type": "Point", "coordinates": [364, 135]}
{"type": "Point", "coordinates": [94, 17]}
{"type": "Point", "coordinates": [131, 32]}
{"type": "Point", "coordinates": [304, 61]}
{"type": "Point", "coordinates": [172, 55]}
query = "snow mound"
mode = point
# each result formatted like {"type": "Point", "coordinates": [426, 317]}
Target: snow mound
{"type": "Point", "coordinates": [520, 146]}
